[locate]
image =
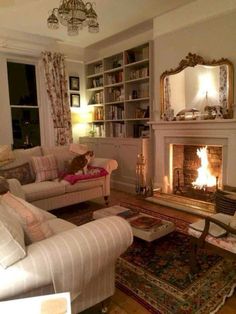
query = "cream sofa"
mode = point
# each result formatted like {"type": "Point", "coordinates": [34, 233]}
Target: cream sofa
{"type": "Point", "coordinates": [53, 194]}
{"type": "Point", "coordinates": [80, 260]}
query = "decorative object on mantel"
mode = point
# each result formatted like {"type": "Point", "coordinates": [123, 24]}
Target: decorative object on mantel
{"type": "Point", "coordinates": [75, 15]}
{"type": "Point", "coordinates": [206, 90]}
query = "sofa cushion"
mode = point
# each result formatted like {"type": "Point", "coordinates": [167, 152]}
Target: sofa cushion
{"type": "Point", "coordinates": [83, 185]}
{"type": "Point", "coordinates": [6, 155]}
{"type": "Point", "coordinates": [12, 245]}
{"type": "Point", "coordinates": [78, 149]}
{"type": "Point", "coordinates": [59, 225]}
{"type": "Point", "coordinates": [45, 168]}
{"type": "Point", "coordinates": [22, 173]}
{"type": "Point", "coordinates": [42, 190]}
{"type": "Point", "coordinates": [30, 217]}
{"type": "Point", "coordinates": [22, 156]}
{"type": "Point", "coordinates": [61, 154]}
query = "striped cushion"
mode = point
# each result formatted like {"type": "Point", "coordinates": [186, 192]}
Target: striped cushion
{"type": "Point", "coordinates": [45, 168]}
{"type": "Point", "coordinates": [30, 217]}
{"type": "Point", "coordinates": [12, 246]}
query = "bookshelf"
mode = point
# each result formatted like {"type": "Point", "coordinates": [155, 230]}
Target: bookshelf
{"type": "Point", "coordinates": [119, 89]}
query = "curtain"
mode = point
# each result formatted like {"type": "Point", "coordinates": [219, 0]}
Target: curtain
{"type": "Point", "coordinates": [57, 90]}
{"type": "Point", "coordinates": [167, 93]}
{"type": "Point", "coordinates": [223, 86]}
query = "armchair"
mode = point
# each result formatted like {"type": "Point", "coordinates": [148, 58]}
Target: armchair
{"type": "Point", "coordinates": [217, 233]}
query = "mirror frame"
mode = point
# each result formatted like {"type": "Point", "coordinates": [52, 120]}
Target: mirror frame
{"type": "Point", "coordinates": [192, 60]}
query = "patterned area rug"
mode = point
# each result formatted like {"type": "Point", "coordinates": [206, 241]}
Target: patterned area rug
{"type": "Point", "coordinates": [158, 276]}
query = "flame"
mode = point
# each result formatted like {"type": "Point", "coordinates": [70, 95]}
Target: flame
{"type": "Point", "coordinates": [204, 176]}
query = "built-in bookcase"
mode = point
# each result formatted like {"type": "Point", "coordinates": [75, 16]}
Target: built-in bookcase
{"type": "Point", "coordinates": [119, 90]}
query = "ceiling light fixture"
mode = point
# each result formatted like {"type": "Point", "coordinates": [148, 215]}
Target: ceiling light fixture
{"type": "Point", "coordinates": [75, 15]}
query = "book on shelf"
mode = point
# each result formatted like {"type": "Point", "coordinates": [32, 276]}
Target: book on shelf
{"type": "Point", "coordinates": [145, 222]}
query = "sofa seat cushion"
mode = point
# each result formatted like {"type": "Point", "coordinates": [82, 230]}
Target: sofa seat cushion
{"type": "Point", "coordinates": [42, 190]}
{"type": "Point", "coordinates": [83, 185]}
{"type": "Point", "coordinates": [59, 225]}
{"type": "Point", "coordinates": [92, 173]}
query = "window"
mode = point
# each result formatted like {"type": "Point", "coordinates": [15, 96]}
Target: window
{"type": "Point", "coordinates": [24, 104]}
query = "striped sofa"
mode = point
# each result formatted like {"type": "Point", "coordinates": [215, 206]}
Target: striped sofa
{"type": "Point", "coordinates": [51, 194]}
{"type": "Point", "coordinates": [80, 260]}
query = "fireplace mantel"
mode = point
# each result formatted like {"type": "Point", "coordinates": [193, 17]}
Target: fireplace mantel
{"type": "Point", "coordinates": [195, 124]}
{"type": "Point", "coordinates": [199, 132]}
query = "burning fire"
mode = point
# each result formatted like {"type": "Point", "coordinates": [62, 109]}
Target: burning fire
{"type": "Point", "coordinates": [204, 179]}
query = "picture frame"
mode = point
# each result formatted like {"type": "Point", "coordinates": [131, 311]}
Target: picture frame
{"type": "Point", "coordinates": [75, 100]}
{"type": "Point", "coordinates": [74, 83]}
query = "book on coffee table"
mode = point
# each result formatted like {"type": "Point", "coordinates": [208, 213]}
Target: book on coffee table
{"type": "Point", "coordinates": [145, 222]}
{"type": "Point", "coordinates": [128, 214]}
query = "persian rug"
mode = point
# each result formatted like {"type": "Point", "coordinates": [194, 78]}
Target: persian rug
{"type": "Point", "coordinates": [158, 276]}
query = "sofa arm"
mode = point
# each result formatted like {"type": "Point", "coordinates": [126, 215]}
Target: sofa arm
{"type": "Point", "coordinates": [108, 164]}
{"type": "Point", "coordinates": [78, 255]}
{"type": "Point", "coordinates": [16, 188]}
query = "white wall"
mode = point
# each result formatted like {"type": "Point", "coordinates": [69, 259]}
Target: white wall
{"type": "Point", "coordinates": [78, 69]}
{"type": "Point", "coordinates": [211, 39]}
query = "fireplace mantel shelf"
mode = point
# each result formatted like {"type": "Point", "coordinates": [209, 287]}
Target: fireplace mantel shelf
{"type": "Point", "coordinates": [229, 124]}
{"type": "Point", "coordinates": [160, 122]}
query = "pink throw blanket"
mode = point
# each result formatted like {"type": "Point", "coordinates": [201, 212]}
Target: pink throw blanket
{"type": "Point", "coordinates": [93, 172]}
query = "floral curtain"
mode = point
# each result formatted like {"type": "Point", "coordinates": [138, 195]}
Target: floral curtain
{"type": "Point", "coordinates": [167, 93]}
{"type": "Point", "coordinates": [54, 66]}
{"type": "Point", "coordinates": [223, 86]}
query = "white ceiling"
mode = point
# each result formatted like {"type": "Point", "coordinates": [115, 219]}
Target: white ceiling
{"type": "Point", "coordinates": [115, 16]}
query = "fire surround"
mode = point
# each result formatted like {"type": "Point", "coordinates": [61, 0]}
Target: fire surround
{"type": "Point", "coordinates": [195, 132]}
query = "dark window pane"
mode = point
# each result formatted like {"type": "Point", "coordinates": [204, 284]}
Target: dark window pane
{"type": "Point", "coordinates": [22, 84]}
{"type": "Point", "coordinates": [25, 125]}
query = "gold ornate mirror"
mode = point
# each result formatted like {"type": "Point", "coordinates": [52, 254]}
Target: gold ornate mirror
{"type": "Point", "coordinates": [197, 89]}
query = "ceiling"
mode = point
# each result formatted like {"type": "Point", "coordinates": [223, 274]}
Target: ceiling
{"type": "Point", "coordinates": [115, 16]}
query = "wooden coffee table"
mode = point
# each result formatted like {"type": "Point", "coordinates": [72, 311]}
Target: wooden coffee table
{"type": "Point", "coordinates": [139, 222]}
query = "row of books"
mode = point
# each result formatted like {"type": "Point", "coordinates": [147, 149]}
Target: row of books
{"type": "Point", "coordinates": [97, 98]}
{"type": "Point", "coordinates": [99, 130]}
{"type": "Point", "coordinates": [98, 113]}
{"type": "Point", "coordinates": [115, 94]}
{"type": "Point", "coordinates": [138, 73]}
{"type": "Point", "coordinates": [116, 113]}
{"type": "Point", "coordinates": [97, 82]}
{"type": "Point", "coordinates": [114, 78]}
{"type": "Point", "coordinates": [116, 129]}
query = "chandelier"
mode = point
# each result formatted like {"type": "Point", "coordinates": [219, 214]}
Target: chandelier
{"type": "Point", "coordinates": [75, 15]}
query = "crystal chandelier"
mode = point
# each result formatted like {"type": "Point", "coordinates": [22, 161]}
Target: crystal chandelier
{"type": "Point", "coordinates": [74, 14]}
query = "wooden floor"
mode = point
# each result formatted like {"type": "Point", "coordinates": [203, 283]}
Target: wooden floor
{"type": "Point", "coordinates": [122, 303]}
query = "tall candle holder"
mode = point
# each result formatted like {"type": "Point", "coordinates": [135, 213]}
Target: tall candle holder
{"type": "Point", "coordinates": [140, 186]}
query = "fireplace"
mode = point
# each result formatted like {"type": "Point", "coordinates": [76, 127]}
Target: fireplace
{"type": "Point", "coordinates": [176, 161]}
{"type": "Point", "coordinates": [196, 170]}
